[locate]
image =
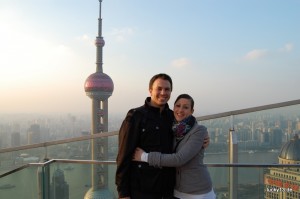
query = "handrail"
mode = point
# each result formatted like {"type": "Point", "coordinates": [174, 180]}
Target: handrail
{"type": "Point", "coordinates": [248, 110]}
{"type": "Point", "coordinates": [43, 164]}
{"type": "Point", "coordinates": [51, 143]}
{"type": "Point", "coordinates": [14, 170]}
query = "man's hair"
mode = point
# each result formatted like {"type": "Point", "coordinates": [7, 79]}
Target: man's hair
{"type": "Point", "coordinates": [160, 76]}
{"type": "Point", "coordinates": [185, 96]}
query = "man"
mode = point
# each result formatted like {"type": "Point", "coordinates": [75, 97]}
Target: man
{"type": "Point", "coordinates": [150, 128]}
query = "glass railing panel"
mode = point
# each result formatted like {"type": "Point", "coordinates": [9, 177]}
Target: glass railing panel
{"type": "Point", "coordinates": [69, 178]}
{"type": "Point", "coordinates": [256, 182]}
{"type": "Point", "coordinates": [76, 179]}
{"type": "Point", "coordinates": [30, 155]}
{"type": "Point", "coordinates": [218, 130]}
{"type": "Point", "coordinates": [113, 142]}
{"type": "Point", "coordinates": [15, 159]}
{"type": "Point", "coordinates": [260, 134]}
{"type": "Point", "coordinates": [21, 184]}
{"type": "Point", "coordinates": [57, 180]}
{"type": "Point", "coordinates": [263, 133]}
{"type": "Point", "coordinates": [6, 162]}
{"type": "Point", "coordinates": [250, 182]}
{"type": "Point", "coordinates": [265, 157]}
{"type": "Point", "coordinates": [80, 150]}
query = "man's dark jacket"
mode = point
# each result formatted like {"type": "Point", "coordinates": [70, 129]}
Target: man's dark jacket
{"type": "Point", "coordinates": [148, 128]}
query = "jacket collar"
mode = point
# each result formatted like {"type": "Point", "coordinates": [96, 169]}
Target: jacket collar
{"type": "Point", "coordinates": [156, 109]}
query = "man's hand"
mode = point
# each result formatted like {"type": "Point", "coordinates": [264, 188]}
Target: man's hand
{"type": "Point", "coordinates": [137, 154]}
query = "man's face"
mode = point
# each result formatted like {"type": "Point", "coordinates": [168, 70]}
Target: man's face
{"type": "Point", "coordinates": [160, 92]}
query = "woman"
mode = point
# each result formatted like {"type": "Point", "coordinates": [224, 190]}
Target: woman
{"type": "Point", "coordinates": [192, 177]}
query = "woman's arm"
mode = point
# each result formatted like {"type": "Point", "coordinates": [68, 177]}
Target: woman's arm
{"type": "Point", "coordinates": [187, 151]}
{"type": "Point", "coordinates": [206, 141]}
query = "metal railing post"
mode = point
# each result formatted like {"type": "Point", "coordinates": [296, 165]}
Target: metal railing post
{"type": "Point", "coordinates": [43, 182]}
{"type": "Point", "coordinates": [233, 158]}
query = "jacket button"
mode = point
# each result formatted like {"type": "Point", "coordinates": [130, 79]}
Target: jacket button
{"type": "Point", "coordinates": [139, 166]}
{"type": "Point", "coordinates": [157, 128]}
{"type": "Point", "coordinates": [143, 130]}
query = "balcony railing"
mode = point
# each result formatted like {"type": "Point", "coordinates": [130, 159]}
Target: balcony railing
{"type": "Point", "coordinates": [38, 180]}
{"type": "Point", "coordinates": [261, 132]}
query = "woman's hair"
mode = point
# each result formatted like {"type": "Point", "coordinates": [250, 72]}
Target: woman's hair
{"type": "Point", "coordinates": [185, 96]}
{"type": "Point", "coordinates": [161, 76]}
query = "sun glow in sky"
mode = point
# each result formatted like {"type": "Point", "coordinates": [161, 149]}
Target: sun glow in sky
{"type": "Point", "coordinates": [228, 55]}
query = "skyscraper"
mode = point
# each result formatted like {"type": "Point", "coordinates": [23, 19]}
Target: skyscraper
{"type": "Point", "coordinates": [59, 188]}
{"type": "Point", "coordinates": [99, 87]}
{"type": "Point", "coordinates": [15, 139]}
{"type": "Point", "coordinates": [34, 134]}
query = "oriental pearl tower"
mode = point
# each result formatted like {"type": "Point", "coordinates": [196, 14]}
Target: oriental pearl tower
{"type": "Point", "coordinates": [99, 87]}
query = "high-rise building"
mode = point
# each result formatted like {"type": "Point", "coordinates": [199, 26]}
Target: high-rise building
{"type": "Point", "coordinates": [276, 137]}
{"type": "Point", "coordinates": [34, 134]}
{"type": "Point", "coordinates": [298, 126]}
{"type": "Point", "coordinates": [99, 87]}
{"type": "Point", "coordinates": [59, 188]}
{"type": "Point", "coordinates": [15, 139]}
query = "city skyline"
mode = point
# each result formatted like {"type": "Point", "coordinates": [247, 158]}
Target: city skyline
{"type": "Point", "coordinates": [227, 55]}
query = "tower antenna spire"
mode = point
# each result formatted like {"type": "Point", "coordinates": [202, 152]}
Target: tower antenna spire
{"type": "Point", "coordinates": [99, 42]}
{"type": "Point", "coordinates": [100, 20]}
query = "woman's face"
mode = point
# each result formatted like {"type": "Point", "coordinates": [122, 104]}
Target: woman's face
{"type": "Point", "coordinates": [182, 109]}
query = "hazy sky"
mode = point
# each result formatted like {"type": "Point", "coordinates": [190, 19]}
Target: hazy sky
{"type": "Point", "coordinates": [228, 55]}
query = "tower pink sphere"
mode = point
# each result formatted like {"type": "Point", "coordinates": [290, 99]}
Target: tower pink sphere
{"type": "Point", "coordinates": [99, 84]}
{"type": "Point", "coordinates": [99, 42]}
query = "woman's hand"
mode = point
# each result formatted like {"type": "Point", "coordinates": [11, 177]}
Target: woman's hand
{"type": "Point", "coordinates": [206, 142]}
{"type": "Point", "coordinates": [137, 154]}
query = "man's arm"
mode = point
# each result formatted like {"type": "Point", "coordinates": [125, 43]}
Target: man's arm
{"type": "Point", "coordinates": [127, 144]}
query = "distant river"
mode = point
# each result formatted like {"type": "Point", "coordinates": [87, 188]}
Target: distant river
{"type": "Point", "coordinates": [246, 175]}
